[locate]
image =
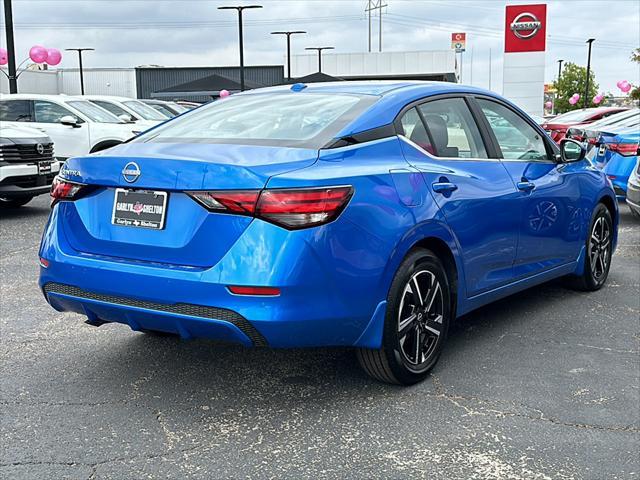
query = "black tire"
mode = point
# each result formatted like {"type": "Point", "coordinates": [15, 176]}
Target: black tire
{"type": "Point", "coordinates": [6, 203]}
{"type": "Point", "coordinates": [394, 362]}
{"type": "Point", "coordinates": [597, 259]}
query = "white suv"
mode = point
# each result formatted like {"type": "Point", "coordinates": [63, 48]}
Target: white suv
{"type": "Point", "coordinates": [75, 125]}
{"type": "Point", "coordinates": [27, 166]}
{"type": "Point", "coordinates": [129, 109]}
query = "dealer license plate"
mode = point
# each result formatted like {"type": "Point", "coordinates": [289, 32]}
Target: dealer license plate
{"type": "Point", "coordinates": [139, 208]}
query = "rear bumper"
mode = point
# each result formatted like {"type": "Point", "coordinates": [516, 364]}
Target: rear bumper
{"type": "Point", "coordinates": [319, 305]}
{"type": "Point", "coordinates": [633, 196]}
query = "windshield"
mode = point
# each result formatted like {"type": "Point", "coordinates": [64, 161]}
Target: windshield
{"type": "Point", "coordinates": [94, 113]}
{"type": "Point", "coordinates": [113, 108]}
{"type": "Point", "coordinates": [575, 116]}
{"type": "Point", "coordinates": [178, 108]}
{"type": "Point", "coordinates": [307, 120]}
{"type": "Point", "coordinates": [163, 109]}
{"type": "Point", "coordinates": [145, 111]}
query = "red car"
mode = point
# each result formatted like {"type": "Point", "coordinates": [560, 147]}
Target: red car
{"type": "Point", "coordinates": [557, 127]}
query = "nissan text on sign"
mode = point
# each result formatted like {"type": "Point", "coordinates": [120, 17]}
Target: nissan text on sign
{"type": "Point", "coordinates": [525, 42]}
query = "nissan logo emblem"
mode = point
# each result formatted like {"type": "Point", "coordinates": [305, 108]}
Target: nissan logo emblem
{"type": "Point", "coordinates": [525, 25]}
{"type": "Point", "coordinates": [40, 149]}
{"type": "Point", "coordinates": [131, 172]}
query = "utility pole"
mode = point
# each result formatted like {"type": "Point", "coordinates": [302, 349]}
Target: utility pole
{"type": "Point", "coordinates": [375, 5]}
{"type": "Point", "coordinates": [80, 50]}
{"type": "Point", "coordinates": [586, 90]}
{"type": "Point", "coordinates": [471, 68]}
{"type": "Point", "coordinates": [319, 50]}
{"type": "Point", "coordinates": [560, 68]}
{"type": "Point", "coordinates": [239, 9]}
{"type": "Point", "coordinates": [288, 34]}
{"type": "Point", "coordinates": [11, 51]}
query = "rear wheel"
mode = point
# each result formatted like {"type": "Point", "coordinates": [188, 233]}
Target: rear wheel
{"type": "Point", "coordinates": [14, 202]}
{"type": "Point", "coordinates": [416, 322]}
{"type": "Point", "coordinates": [598, 247]}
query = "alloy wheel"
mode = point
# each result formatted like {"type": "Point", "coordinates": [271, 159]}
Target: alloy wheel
{"type": "Point", "coordinates": [600, 248]}
{"type": "Point", "coordinates": [420, 317]}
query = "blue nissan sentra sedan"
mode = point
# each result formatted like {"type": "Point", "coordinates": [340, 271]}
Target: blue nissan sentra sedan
{"type": "Point", "coordinates": [358, 214]}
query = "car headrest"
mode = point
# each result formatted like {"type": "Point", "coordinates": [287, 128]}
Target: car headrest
{"type": "Point", "coordinates": [439, 132]}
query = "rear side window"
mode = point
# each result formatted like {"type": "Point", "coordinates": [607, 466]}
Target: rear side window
{"type": "Point", "coordinates": [452, 129]}
{"type": "Point", "coordinates": [414, 130]}
{"type": "Point", "coordinates": [15, 111]}
{"type": "Point", "coordinates": [517, 139]}
{"type": "Point", "coordinates": [307, 120]}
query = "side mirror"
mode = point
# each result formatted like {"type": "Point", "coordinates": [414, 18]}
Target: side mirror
{"type": "Point", "coordinates": [70, 121]}
{"type": "Point", "coordinates": [125, 118]}
{"type": "Point", "coordinates": [571, 150]}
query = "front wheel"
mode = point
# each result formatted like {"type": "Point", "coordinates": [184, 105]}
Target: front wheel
{"type": "Point", "coordinates": [416, 323]}
{"type": "Point", "coordinates": [14, 202]}
{"type": "Point", "coordinates": [597, 260]}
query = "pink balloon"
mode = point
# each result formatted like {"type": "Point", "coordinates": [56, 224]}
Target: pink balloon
{"type": "Point", "coordinates": [548, 105]}
{"type": "Point", "coordinates": [619, 83]}
{"type": "Point", "coordinates": [224, 93]}
{"type": "Point", "coordinates": [597, 99]}
{"type": "Point", "coordinates": [54, 57]}
{"type": "Point", "coordinates": [38, 54]}
{"type": "Point", "coordinates": [626, 87]}
{"type": "Point", "coordinates": [573, 100]}
{"type": "Point", "coordinates": [4, 56]}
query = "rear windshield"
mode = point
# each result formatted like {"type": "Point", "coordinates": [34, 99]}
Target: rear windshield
{"type": "Point", "coordinates": [306, 120]}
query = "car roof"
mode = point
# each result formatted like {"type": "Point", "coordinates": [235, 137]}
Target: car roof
{"type": "Point", "coordinates": [394, 95]}
{"type": "Point", "coordinates": [109, 97]}
{"type": "Point", "coordinates": [38, 96]}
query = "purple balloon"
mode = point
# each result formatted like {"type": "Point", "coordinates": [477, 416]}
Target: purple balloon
{"type": "Point", "coordinates": [54, 57]}
{"type": "Point", "coordinates": [38, 54]}
{"type": "Point", "coordinates": [4, 56]}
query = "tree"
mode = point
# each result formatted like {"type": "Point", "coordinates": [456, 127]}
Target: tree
{"type": "Point", "coordinates": [635, 57]}
{"type": "Point", "coordinates": [573, 80]}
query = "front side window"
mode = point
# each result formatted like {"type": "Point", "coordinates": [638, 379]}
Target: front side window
{"type": "Point", "coordinates": [452, 129]}
{"type": "Point", "coordinates": [15, 111]}
{"type": "Point", "coordinates": [307, 120]}
{"type": "Point", "coordinates": [49, 112]}
{"type": "Point", "coordinates": [517, 139]}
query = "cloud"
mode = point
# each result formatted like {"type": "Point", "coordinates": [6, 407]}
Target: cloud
{"type": "Point", "coordinates": [195, 33]}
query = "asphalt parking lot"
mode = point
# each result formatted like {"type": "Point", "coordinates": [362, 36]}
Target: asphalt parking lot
{"type": "Point", "coordinates": [543, 385]}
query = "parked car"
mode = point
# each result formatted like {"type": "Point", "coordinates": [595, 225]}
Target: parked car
{"type": "Point", "coordinates": [617, 155]}
{"type": "Point", "coordinates": [633, 190]}
{"type": "Point", "coordinates": [363, 214]}
{"type": "Point", "coordinates": [27, 166]}
{"type": "Point", "coordinates": [169, 109]}
{"type": "Point", "coordinates": [129, 110]}
{"type": "Point", "coordinates": [188, 105]}
{"type": "Point", "coordinates": [557, 128]}
{"type": "Point", "coordinates": [75, 125]}
{"type": "Point", "coordinates": [589, 132]}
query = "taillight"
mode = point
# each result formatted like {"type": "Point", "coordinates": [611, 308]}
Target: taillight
{"type": "Point", "coordinates": [289, 208]}
{"type": "Point", "coordinates": [624, 149]}
{"type": "Point", "coordinates": [62, 189]}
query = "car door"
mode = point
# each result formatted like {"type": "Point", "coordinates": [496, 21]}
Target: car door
{"type": "Point", "coordinates": [475, 193]}
{"type": "Point", "coordinates": [16, 112]}
{"type": "Point", "coordinates": [68, 140]}
{"type": "Point", "coordinates": [549, 191]}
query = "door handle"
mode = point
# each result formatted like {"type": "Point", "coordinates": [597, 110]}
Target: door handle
{"type": "Point", "coordinates": [525, 185]}
{"type": "Point", "coordinates": [444, 187]}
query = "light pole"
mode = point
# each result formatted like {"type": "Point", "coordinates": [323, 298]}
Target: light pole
{"type": "Point", "coordinates": [80, 50]}
{"type": "Point", "coordinates": [560, 68]}
{"type": "Point", "coordinates": [239, 9]}
{"type": "Point", "coordinates": [288, 34]}
{"type": "Point", "coordinates": [11, 53]}
{"type": "Point", "coordinates": [319, 50]}
{"type": "Point", "coordinates": [586, 90]}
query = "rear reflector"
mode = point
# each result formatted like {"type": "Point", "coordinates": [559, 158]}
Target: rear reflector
{"type": "Point", "coordinates": [261, 291]}
{"type": "Point", "coordinates": [288, 208]}
{"type": "Point", "coordinates": [44, 263]}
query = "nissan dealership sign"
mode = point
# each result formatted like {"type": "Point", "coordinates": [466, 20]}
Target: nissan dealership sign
{"type": "Point", "coordinates": [525, 28]}
{"type": "Point", "coordinates": [525, 42]}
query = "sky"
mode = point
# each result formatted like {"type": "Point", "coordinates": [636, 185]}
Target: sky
{"type": "Point", "coordinates": [128, 33]}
